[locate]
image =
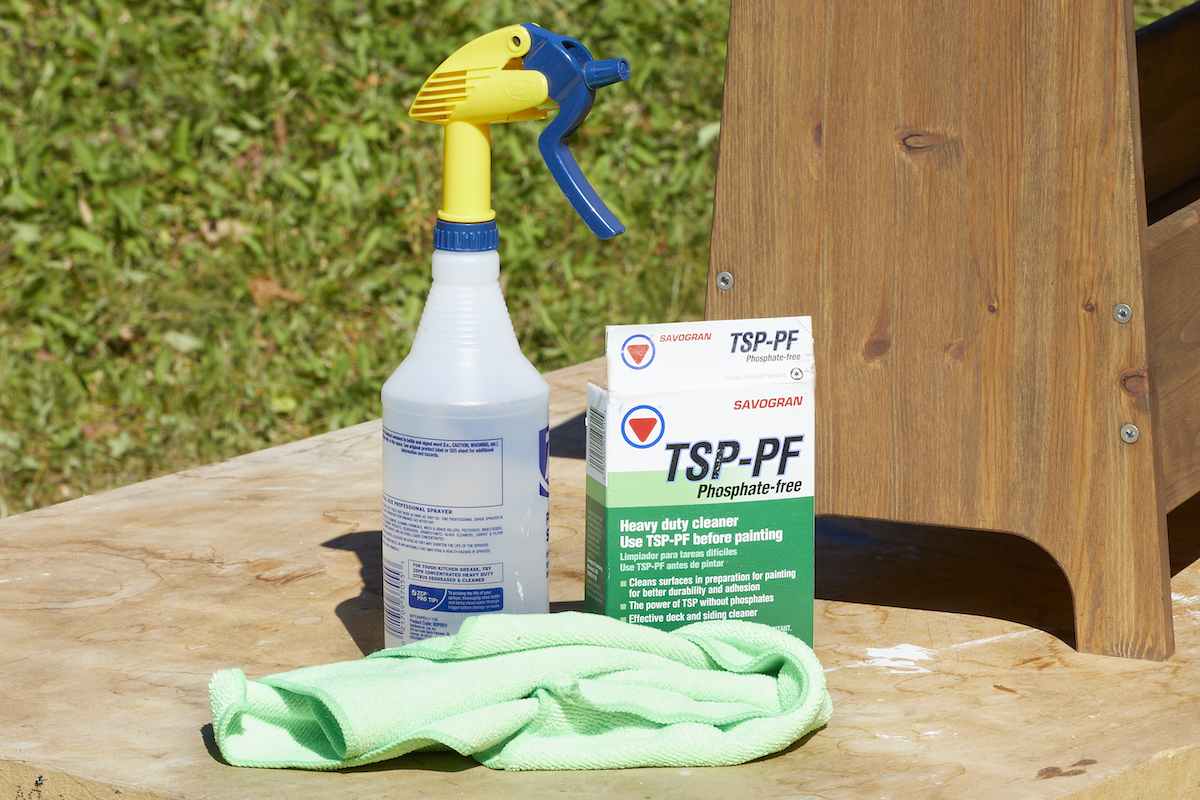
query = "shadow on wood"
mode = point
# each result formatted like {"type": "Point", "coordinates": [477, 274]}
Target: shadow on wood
{"type": "Point", "coordinates": [963, 571]}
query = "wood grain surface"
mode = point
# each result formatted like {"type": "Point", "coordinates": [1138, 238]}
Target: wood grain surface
{"type": "Point", "coordinates": [1175, 320]}
{"type": "Point", "coordinates": [116, 609]}
{"type": "Point", "coordinates": [953, 191]}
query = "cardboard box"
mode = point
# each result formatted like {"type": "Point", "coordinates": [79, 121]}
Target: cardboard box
{"type": "Point", "coordinates": [700, 475]}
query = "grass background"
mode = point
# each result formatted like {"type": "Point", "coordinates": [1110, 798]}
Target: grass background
{"type": "Point", "coordinates": [215, 217]}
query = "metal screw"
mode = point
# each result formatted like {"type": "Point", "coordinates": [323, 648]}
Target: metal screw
{"type": "Point", "coordinates": [1129, 433]}
{"type": "Point", "coordinates": [1122, 313]}
{"type": "Point", "coordinates": [724, 281]}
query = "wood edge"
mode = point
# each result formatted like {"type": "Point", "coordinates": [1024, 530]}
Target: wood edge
{"type": "Point", "coordinates": [584, 369]}
{"type": "Point", "coordinates": [33, 781]}
{"type": "Point", "coordinates": [1166, 776]}
{"type": "Point", "coordinates": [1153, 644]}
{"type": "Point", "coordinates": [718, 245]}
{"type": "Point", "coordinates": [1171, 226]}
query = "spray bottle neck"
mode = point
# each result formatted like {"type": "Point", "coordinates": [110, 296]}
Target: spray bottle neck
{"type": "Point", "coordinates": [465, 319]}
{"type": "Point", "coordinates": [467, 173]}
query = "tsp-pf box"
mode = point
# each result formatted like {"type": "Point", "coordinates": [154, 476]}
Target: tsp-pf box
{"type": "Point", "coordinates": [700, 475]}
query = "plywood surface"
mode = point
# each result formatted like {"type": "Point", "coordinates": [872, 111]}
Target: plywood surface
{"type": "Point", "coordinates": [116, 609]}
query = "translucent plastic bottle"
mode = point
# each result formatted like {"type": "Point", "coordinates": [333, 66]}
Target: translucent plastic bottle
{"type": "Point", "coordinates": [466, 505]}
{"type": "Point", "coordinates": [465, 455]}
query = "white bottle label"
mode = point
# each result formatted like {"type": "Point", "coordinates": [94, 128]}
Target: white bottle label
{"type": "Point", "coordinates": [450, 541]}
{"type": "Point", "coordinates": [465, 473]}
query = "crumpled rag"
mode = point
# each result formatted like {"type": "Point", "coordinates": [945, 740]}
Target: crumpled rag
{"type": "Point", "coordinates": [539, 691]}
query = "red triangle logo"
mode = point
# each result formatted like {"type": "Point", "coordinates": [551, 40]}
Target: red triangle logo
{"type": "Point", "coordinates": [642, 428]}
{"type": "Point", "coordinates": [638, 351]}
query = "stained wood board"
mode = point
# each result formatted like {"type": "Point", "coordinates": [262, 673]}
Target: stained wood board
{"type": "Point", "coordinates": [1174, 245]}
{"type": "Point", "coordinates": [116, 609]}
{"type": "Point", "coordinates": [953, 192]}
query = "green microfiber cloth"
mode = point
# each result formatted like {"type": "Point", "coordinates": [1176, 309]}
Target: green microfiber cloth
{"type": "Point", "coordinates": [539, 691]}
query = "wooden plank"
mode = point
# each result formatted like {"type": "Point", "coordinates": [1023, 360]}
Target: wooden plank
{"type": "Point", "coordinates": [116, 609]}
{"type": "Point", "coordinates": [772, 186]}
{"type": "Point", "coordinates": [1175, 325]}
{"type": "Point", "coordinates": [1168, 57]}
{"type": "Point", "coordinates": [960, 232]}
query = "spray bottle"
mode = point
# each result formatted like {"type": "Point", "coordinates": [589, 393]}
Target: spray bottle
{"type": "Point", "coordinates": [466, 501]}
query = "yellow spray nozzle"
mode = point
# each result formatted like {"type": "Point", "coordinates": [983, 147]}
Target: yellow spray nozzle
{"type": "Point", "coordinates": [483, 82]}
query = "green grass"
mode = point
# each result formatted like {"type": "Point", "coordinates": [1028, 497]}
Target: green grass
{"type": "Point", "coordinates": [160, 163]}
{"type": "Point", "coordinates": [215, 217]}
{"type": "Point", "coordinates": [1147, 11]}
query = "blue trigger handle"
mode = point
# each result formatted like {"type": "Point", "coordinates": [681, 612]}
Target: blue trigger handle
{"type": "Point", "coordinates": [573, 77]}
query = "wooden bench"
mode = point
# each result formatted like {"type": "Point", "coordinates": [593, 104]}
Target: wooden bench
{"type": "Point", "coordinates": [957, 193]}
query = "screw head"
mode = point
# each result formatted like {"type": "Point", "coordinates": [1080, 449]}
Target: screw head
{"type": "Point", "coordinates": [1130, 433]}
{"type": "Point", "coordinates": [1122, 313]}
{"type": "Point", "coordinates": [724, 281]}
